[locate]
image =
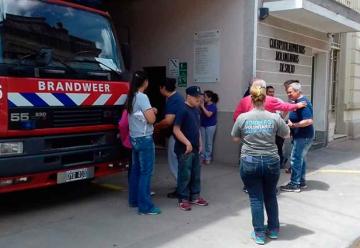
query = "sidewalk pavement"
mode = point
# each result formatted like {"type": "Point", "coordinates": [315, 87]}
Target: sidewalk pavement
{"type": "Point", "coordinates": [326, 215]}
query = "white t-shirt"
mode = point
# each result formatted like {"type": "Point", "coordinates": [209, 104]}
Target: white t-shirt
{"type": "Point", "coordinates": [138, 125]}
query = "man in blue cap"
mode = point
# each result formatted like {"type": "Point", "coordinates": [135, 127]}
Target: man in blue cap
{"type": "Point", "coordinates": [187, 147]}
{"type": "Point", "coordinates": [174, 103]}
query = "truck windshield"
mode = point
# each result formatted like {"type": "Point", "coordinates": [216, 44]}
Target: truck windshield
{"type": "Point", "coordinates": [72, 38]}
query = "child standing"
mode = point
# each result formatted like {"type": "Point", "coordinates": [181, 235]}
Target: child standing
{"type": "Point", "coordinates": [187, 146]}
{"type": "Point", "coordinates": [208, 124]}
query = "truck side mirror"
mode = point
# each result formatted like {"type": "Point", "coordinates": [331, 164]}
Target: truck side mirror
{"type": "Point", "coordinates": [126, 53]}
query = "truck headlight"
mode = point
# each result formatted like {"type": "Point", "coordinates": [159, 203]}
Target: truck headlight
{"type": "Point", "coordinates": [11, 148]}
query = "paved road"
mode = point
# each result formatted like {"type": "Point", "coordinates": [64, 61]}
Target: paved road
{"type": "Point", "coordinates": [97, 216]}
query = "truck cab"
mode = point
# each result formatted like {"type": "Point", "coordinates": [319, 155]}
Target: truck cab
{"type": "Point", "coordinates": [62, 89]}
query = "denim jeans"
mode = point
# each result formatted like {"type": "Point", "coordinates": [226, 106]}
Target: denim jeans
{"type": "Point", "coordinates": [280, 143]}
{"type": "Point", "coordinates": [188, 181]}
{"type": "Point", "coordinates": [207, 136]}
{"type": "Point", "coordinates": [300, 148]}
{"type": "Point", "coordinates": [143, 156]}
{"type": "Point", "coordinates": [260, 175]}
{"type": "Point", "coordinates": [172, 158]}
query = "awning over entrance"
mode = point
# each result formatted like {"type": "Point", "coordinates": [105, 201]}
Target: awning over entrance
{"type": "Point", "coordinates": [312, 15]}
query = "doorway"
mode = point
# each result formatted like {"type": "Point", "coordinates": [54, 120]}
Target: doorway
{"type": "Point", "coordinates": [156, 75]}
{"type": "Point", "coordinates": [319, 89]}
{"type": "Point", "coordinates": [335, 112]}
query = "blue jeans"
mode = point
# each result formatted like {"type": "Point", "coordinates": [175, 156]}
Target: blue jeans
{"type": "Point", "coordinates": [207, 136]}
{"type": "Point", "coordinates": [172, 158]}
{"type": "Point", "coordinates": [143, 156]}
{"type": "Point", "coordinates": [188, 181]}
{"type": "Point", "coordinates": [260, 175]}
{"type": "Point", "coordinates": [300, 148]}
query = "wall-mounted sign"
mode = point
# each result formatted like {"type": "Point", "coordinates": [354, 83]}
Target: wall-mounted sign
{"type": "Point", "coordinates": [173, 69]}
{"type": "Point", "coordinates": [287, 46]}
{"type": "Point", "coordinates": [288, 55]}
{"type": "Point", "coordinates": [207, 56]}
{"type": "Point", "coordinates": [287, 68]}
{"type": "Point", "coordinates": [182, 82]}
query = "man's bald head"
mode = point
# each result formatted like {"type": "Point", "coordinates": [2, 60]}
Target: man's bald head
{"type": "Point", "coordinates": [258, 82]}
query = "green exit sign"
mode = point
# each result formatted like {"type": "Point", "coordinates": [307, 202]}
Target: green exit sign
{"type": "Point", "coordinates": [182, 82]}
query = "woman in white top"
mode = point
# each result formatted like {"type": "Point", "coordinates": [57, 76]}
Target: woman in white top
{"type": "Point", "coordinates": [141, 119]}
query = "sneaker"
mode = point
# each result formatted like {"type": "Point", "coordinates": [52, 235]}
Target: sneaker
{"type": "Point", "coordinates": [200, 202]}
{"type": "Point", "coordinates": [272, 234]}
{"type": "Point", "coordinates": [303, 186]}
{"type": "Point", "coordinates": [290, 188]}
{"type": "Point", "coordinates": [172, 195]}
{"type": "Point", "coordinates": [152, 193]}
{"type": "Point", "coordinates": [207, 162]}
{"type": "Point", "coordinates": [259, 239]}
{"type": "Point", "coordinates": [153, 211]}
{"type": "Point", "coordinates": [185, 205]}
{"type": "Point", "coordinates": [245, 190]}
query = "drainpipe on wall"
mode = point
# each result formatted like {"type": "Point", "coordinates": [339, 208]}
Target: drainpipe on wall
{"type": "Point", "coordinates": [256, 19]}
{"type": "Point", "coordinates": [329, 91]}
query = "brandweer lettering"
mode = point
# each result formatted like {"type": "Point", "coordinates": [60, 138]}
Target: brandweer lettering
{"type": "Point", "coordinates": [72, 86]}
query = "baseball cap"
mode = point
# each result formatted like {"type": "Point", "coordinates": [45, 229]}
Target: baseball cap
{"type": "Point", "coordinates": [193, 91]}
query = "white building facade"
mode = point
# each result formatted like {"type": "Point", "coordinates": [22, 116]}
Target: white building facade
{"type": "Point", "coordinates": [308, 40]}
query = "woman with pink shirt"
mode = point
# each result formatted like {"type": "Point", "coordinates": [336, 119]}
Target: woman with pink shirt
{"type": "Point", "coordinates": [272, 104]}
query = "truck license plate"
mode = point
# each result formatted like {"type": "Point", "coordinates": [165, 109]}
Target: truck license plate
{"type": "Point", "coordinates": [75, 175]}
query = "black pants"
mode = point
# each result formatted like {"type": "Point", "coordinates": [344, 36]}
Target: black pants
{"type": "Point", "coordinates": [279, 143]}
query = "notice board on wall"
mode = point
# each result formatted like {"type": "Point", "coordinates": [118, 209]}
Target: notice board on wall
{"type": "Point", "coordinates": [207, 56]}
{"type": "Point", "coordinates": [173, 69]}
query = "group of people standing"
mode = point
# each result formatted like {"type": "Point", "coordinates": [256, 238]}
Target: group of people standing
{"type": "Point", "coordinates": [186, 119]}
{"type": "Point", "coordinates": [259, 124]}
{"type": "Point", "coordinates": [256, 125]}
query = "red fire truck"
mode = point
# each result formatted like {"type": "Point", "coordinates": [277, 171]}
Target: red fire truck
{"type": "Point", "coordinates": [61, 93]}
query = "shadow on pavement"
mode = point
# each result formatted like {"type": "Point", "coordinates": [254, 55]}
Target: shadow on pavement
{"type": "Point", "coordinates": [316, 185]}
{"type": "Point", "coordinates": [75, 212]}
{"type": "Point", "coordinates": [292, 232]}
{"type": "Point", "coordinates": [334, 154]}
{"type": "Point", "coordinates": [57, 196]}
